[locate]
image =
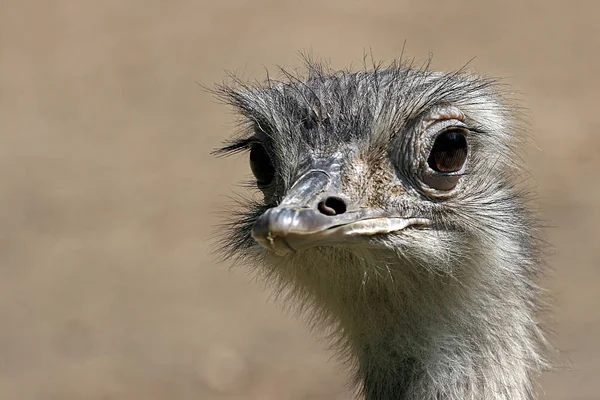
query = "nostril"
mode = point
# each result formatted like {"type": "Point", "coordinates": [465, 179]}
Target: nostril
{"type": "Point", "coordinates": [332, 206]}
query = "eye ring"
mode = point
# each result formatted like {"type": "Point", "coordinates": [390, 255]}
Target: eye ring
{"type": "Point", "coordinates": [446, 159]}
{"type": "Point", "coordinates": [261, 165]}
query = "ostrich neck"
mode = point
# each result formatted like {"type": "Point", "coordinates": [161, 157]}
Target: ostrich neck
{"type": "Point", "coordinates": [441, 339]}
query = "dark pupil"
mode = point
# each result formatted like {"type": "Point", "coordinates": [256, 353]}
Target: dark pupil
{"type": "Point", "coordinates": [261, 166]}
{"type": "Point", "coordinates": [449, 152]}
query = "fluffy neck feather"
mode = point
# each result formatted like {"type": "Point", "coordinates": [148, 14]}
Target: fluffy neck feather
{"type": "Point", "coordinates": [415, 333]}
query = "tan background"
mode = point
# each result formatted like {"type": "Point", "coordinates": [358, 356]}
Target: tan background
{"type": "Point", "coordinates": [108, 192]}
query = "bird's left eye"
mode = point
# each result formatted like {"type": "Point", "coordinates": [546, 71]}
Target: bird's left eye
{"type": "Point", "coordinates": [449, 151]}
{"type": "Point", "coordinates": [261, 165]}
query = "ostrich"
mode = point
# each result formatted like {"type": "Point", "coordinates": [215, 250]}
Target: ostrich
{"type": "Point", "coordinates": [390, 213]}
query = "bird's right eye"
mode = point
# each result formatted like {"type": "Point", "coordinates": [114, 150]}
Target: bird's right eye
{"type": "Point", "coordinates": [446, 160]}
{"type": "Point", "coordinates": [449, 152]}
{"type": "Point", "coordinates": [261, 165]}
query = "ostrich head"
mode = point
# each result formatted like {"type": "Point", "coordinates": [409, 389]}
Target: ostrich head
{"type": "Point", "coordinates": [388, 211]}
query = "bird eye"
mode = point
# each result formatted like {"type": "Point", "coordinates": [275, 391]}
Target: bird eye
{"type": "Point", "coordinates": [449, 151]}
{"type": "Point", "coordinates": [261, 165]}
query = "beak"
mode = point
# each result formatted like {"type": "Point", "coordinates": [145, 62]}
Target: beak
{"type": "Point", "coordinates": [315, 213]}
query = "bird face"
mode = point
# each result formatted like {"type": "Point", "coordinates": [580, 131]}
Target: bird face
{"type": "Point", "coordinates": [409, 161]}
{"type": "Point", "coordinates": [344, 197]}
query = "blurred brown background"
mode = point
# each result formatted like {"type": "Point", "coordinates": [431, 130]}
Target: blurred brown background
{"type": "Point", "coordinates": [108, 193]}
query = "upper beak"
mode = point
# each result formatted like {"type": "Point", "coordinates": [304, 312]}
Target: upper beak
{"type": "Point", "coordinates": [314, 213]}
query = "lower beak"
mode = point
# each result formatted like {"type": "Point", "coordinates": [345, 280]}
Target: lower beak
{"type": "Point", "coordinates": [284, 229]}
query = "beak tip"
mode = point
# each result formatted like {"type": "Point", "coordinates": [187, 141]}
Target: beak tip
{"type": "Point", "coordinates": [276, 244]}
